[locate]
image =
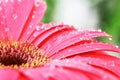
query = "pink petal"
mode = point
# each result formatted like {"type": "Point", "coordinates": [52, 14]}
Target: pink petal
{"type": "Point", "coordinates": [78, 65]}
{"type": "Point", "coordinates": [35, 16]}
{"type": "Point", "coordinates": [101, 55]}
{"type": "Point", "coordinates": [55, 73]}
{"type": "Point", "coordinates": [46, 73]}
{"type": "Point", "coordinates": [55, 39]}
{"type": "Point", "coordinates": [69, 39]}
{"type": "Point", "coordinates": [33, 73]}
{"type": "Point", "coordinates": [42, 38]}
{"type": "Point", "coordinates": [13, 16]}
{"type": "Point", "coordinates": [104, 61]}
{"type": "Point", "coordinates": [40, 29]}
{"type": "Point", "coordinates": [81, 48]}
{"type": "Point", "coordinates": [11, 74]}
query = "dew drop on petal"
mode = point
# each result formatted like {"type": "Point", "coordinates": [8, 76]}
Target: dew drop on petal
{"type": "Point", "coordinates": [33, 16]}
{"type": "Point", "coordinates": [6, 1]}
{"type": "Point", "coordinates": [117, 46]}
{"type": "Point", "coordinates": [30, 26]}
{"type": "Point", "coordinates": [2, 22]}
{"type": "Point", "coordinates": [110, 38]}
{"type": "Point", "coordinates": [99, 30]}
{"type": "Point", "coordinates": [7, 29]}
{"type": "Point", "coordinates": [12, 0]}
{"type": "Point", "coordinates": [56, 29]}
{"type": "Point", "coordinates": [19, 0]}
{"type": "Point", "coordinates": [37, 28]}
{"type": "Point", "coordinates": [15, 16]}
{"type": "Point", "coordinates": [35, 34]}
{"type": "Point", "coordinates": [67, 60]}
{"type": "Point", "coordinates": [0, 8]}
{"type": "Point", "coordinates": [112, 63]}
{"type": "Point", "coordinates": [37, 4]}
{"type": "Point", "coordinates": [4, 16]}
{"type": "Point", "coordinates": [42, 27]}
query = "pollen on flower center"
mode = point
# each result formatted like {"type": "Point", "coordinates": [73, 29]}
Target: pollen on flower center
{"type": "Point", "coordinates": [16, 54]}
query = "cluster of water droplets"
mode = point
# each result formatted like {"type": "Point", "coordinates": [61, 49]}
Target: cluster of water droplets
{"type": "Point", "coordinates": [37, 29]}
{"type": "Point", "coordinates": [37, 3]}
{"type": "Point", "coordinates": [15, 16]}
{"type": "Point", "coordinates": [34, 12]}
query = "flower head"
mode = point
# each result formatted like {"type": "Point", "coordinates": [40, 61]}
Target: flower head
{"type": "Point", "coordinates": [31, 50]}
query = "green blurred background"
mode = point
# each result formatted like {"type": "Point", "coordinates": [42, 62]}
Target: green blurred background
{"type": "Point", "coordinates": [108, 12]}
{"type": "Point", "coordinates": [51, 6]}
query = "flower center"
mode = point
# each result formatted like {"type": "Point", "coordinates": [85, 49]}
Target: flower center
{"type": "Point", "coordinates": [16, 54]}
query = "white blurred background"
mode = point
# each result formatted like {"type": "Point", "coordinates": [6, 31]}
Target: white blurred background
{"type": "Point", "coordinates": [76, 12]}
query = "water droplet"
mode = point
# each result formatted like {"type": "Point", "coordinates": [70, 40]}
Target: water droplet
{"type": "Point", "coordinates": [19, 0]}
{"type": "Point", "coordinates": [2, 22]}
{"type": "Point", "coordinates": [110, 38]}
{"type": "Point", "coordinates": [7, 29]}
{"type": "Point", "coordinates": [42, 27]}
{"type": "Point", "coordinates": [4, 16]}
{"type": "Point", "coordinates": [99, 30]}
{"type": "Point", "coordinates": [0, 8]}
{"type": "Point", "coordinates": [6, 1]}
{"type": "Point", "coordinates": [35, 34]}
{"type": "Point", "coordinates": [80, 38]}
{"type": "Point", "coordinates": [34, 12]}
{"type": "Point", "coordinates": [67, 60]}
{"type": "Point", "coordinates": [56, 29]}
{"type": "Point", "coordinates": [15, 16]}
{"type": "Point", "coordinates": [33, 16]}
{"type": "Point", "coordinates": [113, 64]}
{"type": "Point", "coordinates": [117, 46]}
{"type": "Point", "coordinates": [12, 0]}
{"type": "Point", "coordinates": [30, 26]}
{"type": "Point", "coordinates": [37, 27]}
{"type": "Point", "coordinates": [37, 4]}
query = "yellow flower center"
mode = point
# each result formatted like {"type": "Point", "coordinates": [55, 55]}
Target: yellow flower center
{"type": "Point", "coordinates": [15, 54]}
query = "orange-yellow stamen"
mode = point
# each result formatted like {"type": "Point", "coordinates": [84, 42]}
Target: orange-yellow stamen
{"type": "Point", "coordinates": [17, 54]}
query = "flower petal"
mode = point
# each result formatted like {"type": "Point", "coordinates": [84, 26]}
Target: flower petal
{"type": "Point", "coordinates": [13, 16]}
{"type": "Point", "coordinates": [42, 38]}
{"type": "Point", "coordinates": [11, 74]}
{"type": "Point", "coordinates": [78, 66]}
{"type": "Point", "coordinates": [68, 39]}
{"type": "Point", "coordinates": [82, 68]}
{"type": "Point", "coordinates": [33, 73]}
{"type": "Point", "coordinates": [35, 16]}
{"type": "Point", "coordinates": [102, 60]}
{"type": "Point", "coordinates": [40, 29]}
{"type": "Point", "coordinates": [55, 73]}
{"type": "Point", "coordinates": [86, 47]}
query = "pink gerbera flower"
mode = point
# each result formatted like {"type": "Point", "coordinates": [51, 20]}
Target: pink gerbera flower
{"type": "Point", "coordinates": [30, 50]}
